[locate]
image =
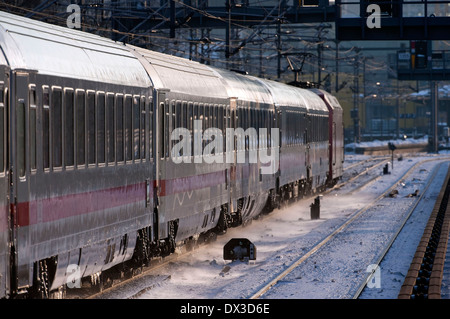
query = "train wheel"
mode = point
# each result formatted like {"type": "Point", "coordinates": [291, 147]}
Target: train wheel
{"type": "Point", "coordinates": [41, 284]}
{"type": "Point", "coordinates": [142, 250]}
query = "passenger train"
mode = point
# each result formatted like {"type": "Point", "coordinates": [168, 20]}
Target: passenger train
{"type": "Point", "coordinates": [93, 180]}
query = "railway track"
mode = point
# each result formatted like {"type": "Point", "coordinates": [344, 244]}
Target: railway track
{"type": "Point", "coordinates": [359, 171]}
{"type": "Point", "coordinates": [332, 236]}
{"type": "Point", "coordinates": [424, 277]}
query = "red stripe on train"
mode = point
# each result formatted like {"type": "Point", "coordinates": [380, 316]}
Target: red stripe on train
{"type": "Point", "coordinates": [51, 209]}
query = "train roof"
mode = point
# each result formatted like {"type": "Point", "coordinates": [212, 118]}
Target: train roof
{"type": "Point", "coordinates": [55, 50]}
{"type": "Point", "coordinates": [180, 75]}
{"type": "Point", "coordinates": [245, 88]}
{"type": "Point", "coordinates": [286, 95]}
{"type": "Point", "coordinates": [331, 100]}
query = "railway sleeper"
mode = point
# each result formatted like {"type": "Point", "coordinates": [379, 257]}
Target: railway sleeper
{"type": "Point", "coordinates": [422, 284]}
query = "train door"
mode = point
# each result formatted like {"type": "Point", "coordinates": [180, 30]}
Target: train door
{"type": "Point", "coordinates": [160, 149]}
{"type": "Point", "coordinates": [232, 161]}
{"type": "Point", "coordinates": [307, 139]}
{"type": "Point", "coordinates": [19, 177]}
{"type": "Point", "coordinates": [5, 234]}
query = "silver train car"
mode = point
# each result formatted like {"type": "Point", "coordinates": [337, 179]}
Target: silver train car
{"type": "Point", "coordinates": [111, 155]}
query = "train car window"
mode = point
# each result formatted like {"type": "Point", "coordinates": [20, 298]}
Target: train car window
{"type": "Point", "coordinates": [261, 134]}
{"type": "Point", "coordinates": [80, 126]}
{"type": "Point", "coordinates": [318, 128]}
{"type": "Point", "coordinates": [198, 149]}
{"type": "Point", "coordinates": [173, 125]}
{"type": "Point", "coordinates": [190, 116]}
{"type": "Point", "coordinates": [190, 127]}
{"type": "Point", "coordinates": [166, 132]}
{"type": "Point", "coordinates": [91, 126]}
{"type": "Point", "coordinates": [179, 115]}
{"type": "Point", "coordinates": [334, 143]}
{"type": "Point", "coordinates": [315, 130]}
{"type": "Point", "coordinates": [214, 116]}
{"type": "Point", "coordinates": [56, 123]}
{"type": "Point", "coordinates": [185, 115]}
{"type": "Point", "coordinates": [266, 126]}
{"type": "Point", "coordinates": [119, 127]}
{"type": "Point", "coordinates": [253, 142]}
{"type": "Point", "coordinates": [110, 129]}
{"type": "Point", "coordinates": [321, 129]}
{"type": "Point", "coordinates": [20, 137]}
{"type": "Point", "coordinates": [32, 126]}
{"type": "Point", "coordinates": [246, 125]}
{"type": "Point", "coordinates": [46, 127]}
{"type": "Point", "coordinates": [194, 131]}
{"type": "Point", "coordinates": [136, 127]}
{"type": "Point", "coordinates": [68, 128]}
{"type": "Point", "coordinates": [211, 116]}
{"type": "Point", "coordinates": [293, 129]}
{"type": "Point", "coordinates": [258, 126]}
{"type": "Point", "coordinates": [128, 127]}
{"type": "Point", "coordinates": [143, 114]}
{"type": "Point", "coordinates": [220, 118]}
{"type": "Point", "coordinates": [150, 127]}
{"type": "Point", "coordinates": [3, 101]}
{"type": "Point", "coordinates": [160, 134]}
{"type": "Point", "coordinates": [296, 128]}
{"type": "Point", "coordinates": [206, 118]}
{"type": "Point", "coordinates": [286, 131]}
{"type": "Point", "coordinates": [101, 127]}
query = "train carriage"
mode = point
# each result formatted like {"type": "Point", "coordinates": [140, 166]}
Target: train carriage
{"type": "Point", "coordinates": [78, 162]}
{"type": "Point", "coordinates": [190, 183]}
{"type": "Point", "coordinates": [335, 135]}
{"type": "Point", "coordinates": [252, 118]}
{"type": "Point", "coordinates": [317, 139]}
{"type": "Point", "coordinates": [5, 266]}
{"type": "Point", "coordinates": [299, 113]}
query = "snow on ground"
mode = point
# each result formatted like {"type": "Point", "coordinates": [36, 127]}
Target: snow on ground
{"type": "Point", "coordinates": [286, 234]}
{"type": "Point", "coordinates": [376, 143]}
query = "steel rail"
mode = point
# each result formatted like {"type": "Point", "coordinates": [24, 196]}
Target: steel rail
{"type": "Point", "coordinates": [386, 249]}
{"type": "Point", "coordinates": [358, 213]}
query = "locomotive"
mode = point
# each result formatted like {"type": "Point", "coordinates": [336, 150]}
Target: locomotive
{"type": "Point", "coordinates": [111, 154]}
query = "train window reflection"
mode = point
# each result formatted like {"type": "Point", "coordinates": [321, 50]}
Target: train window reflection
{"type": "Point", "coordinates": [91, 126]}
{"type": "Point", "coordinates": [32, 131]}
{"type": "Point", "coordinates": [46, 127]}
{"type": "Point", "coordinates": [20, 137]}
{"type": "Point", "coordinates": [80, 127]}
{"type": "Point", "coordinates": [136, 128]}
{"type": "Point", "coordinates": [119, 127]}
{"type": "Point", "coordinates": [128, 127]}
{"type": "Point", "coordinates": [56, 123]}
{"type": "Point", "coordinates": [110, 132]}
{"type": "Point", "coordinates": [101, 127]}
{"type": "Point", "coordinates": [68, 128]}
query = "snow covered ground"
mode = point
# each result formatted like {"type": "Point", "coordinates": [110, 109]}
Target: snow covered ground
{"type": "Point", "coordinates": [283, 236]}
{"type": "Point", "coordinates": [377, 143]}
